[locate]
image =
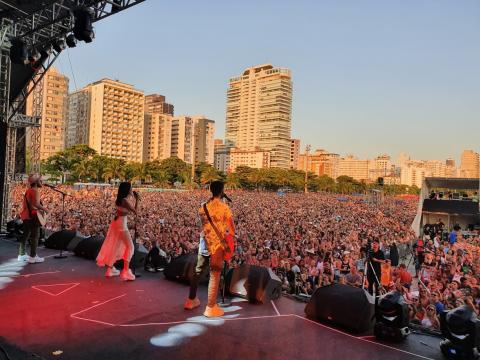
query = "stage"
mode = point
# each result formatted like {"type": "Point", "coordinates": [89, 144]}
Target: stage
{"type": "Point", "coordinates": [67, 309]}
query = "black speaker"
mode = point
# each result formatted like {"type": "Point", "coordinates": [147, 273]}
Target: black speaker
{"type": "Point", "coordinates": [349, 307]}
{"type": "Point", "coordinates": [59, 240]}
{"type": "Point", "coordinates": [182, 268]}
{"type": "Point", "coordinates": [78, 238]}
{"type": "Point", "coordinates": [255, 283]}
{"type": "Point", "coordinates": [138, 260]}
{"type": "Point", "coordinates": [89, 247]}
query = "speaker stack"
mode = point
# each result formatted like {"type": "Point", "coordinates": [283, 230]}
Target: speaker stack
{"type": "Point", "coordinates": [256, 283]}
{"type": "Point", "coordinates": [182, 268]}
{"type": "Point", "coordinates": [349, 307]}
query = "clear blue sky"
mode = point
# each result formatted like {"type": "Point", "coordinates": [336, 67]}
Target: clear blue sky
{"type": "Point", "coordinates": [369, 76]}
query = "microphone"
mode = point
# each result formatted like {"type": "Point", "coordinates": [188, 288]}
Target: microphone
{"type": "Point", "coordinates": [224, 196]}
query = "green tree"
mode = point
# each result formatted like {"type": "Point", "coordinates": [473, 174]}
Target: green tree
{"type": "Point", "coordinates": [232, 181]}
{"type": "Point", "coordinates": [114, 170]}
{"type": "Point", "coordinates": [175, 170]}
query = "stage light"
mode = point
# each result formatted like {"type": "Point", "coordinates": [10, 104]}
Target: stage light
{"type": "Point", "coordinates": [391, 316]}
{"type": "Point", "coordinates": [71, 41]}
{"type": "Point", "coordinates": [18, 52]}
{"type": "Point", "coordinates": [34, 55]}
{"type": "Point", "coordinates": [59, 45]}
{"type": "Point", "coordinates": [461, 329]}
{"type": "Point", "coordinates": [83, 29]}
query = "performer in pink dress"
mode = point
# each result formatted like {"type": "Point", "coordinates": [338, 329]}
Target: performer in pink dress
{"type": "Point", "coordinates": [118, 244]}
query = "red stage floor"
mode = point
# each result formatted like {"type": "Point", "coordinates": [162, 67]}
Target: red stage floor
{"type": "Point", "coordinates": [68, 308]}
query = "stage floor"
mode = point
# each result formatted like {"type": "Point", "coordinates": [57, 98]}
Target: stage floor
{"type": "Point", "coordinates": [67, 309]}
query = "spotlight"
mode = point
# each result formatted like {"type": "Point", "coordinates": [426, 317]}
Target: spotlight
{"type": "Point", "coordinates": [59, 45]}
{"type": "Point", "coordinates": [18, 52]}
{"type": "Point", "coordinates": [34, 55]}
{"type": "Point", "coordinates": [391, 316]}
{"type": "Point", "coordinates": [83, 29]}
{"type": "Point", "coordinates": [71, 41]}
{"type": "Point", "coordinates": [461, 329]}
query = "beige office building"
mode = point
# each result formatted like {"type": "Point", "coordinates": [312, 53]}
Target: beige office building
{"type": "Point", "coordinates": [157, 144]}
{"type": "Point", "coordinates": [116, 120]}
{"type": "Point", "coordinates": [469, 165]}
{"type": "Point", "coordinates": [294, 153]}
{"type": "Point", "coordinates": [321, 162]}
{"type": "Point", "coordinates": [259, 108]}
{"type": "Point", "coordinates": [52, 108]}
{"type": "Point", "coordinates": [76, 128]}
{"type": "Point", "coordinates": [256, 158]}
{"type": "Point", "coordinates": [155, 104]}
{"type": "Point", "coordinates": [354, 168]}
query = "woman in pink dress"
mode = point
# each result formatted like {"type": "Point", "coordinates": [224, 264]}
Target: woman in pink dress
{"type": "Point", "coordinates": [118, 244]}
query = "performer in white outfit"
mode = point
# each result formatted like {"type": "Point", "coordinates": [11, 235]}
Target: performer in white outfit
{"type": "Point", "coordinates": [118, 244]}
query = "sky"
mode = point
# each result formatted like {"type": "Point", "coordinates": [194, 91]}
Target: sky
{"type": "Point", "coordinates": [369, 77]}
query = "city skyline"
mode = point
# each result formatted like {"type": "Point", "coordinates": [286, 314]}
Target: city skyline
{"type": "Point", "coordinates": [369, 78]}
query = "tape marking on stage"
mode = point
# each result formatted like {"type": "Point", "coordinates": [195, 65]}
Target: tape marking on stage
{"type": "Point", "coordinates": [361, 338]}
{"type": "Point", "coordinates": [276, 310]}
{"type": "Point", "coordinates": [61, 292]}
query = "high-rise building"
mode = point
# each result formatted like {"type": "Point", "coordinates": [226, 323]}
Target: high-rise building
{"type": "Point", "coordinates": [116, 119]}
{"type": "Point", "coordinates": [204, 139]}
{"type": "Point", "coordinates": [259, 107]}
{"type": "Point", "coordinates": [157, 140]}
{"type": "Point", "coordinates": [413, 174]}
{"type": "Point", "coordinates": [155, 103]}
{"type": "Point", "coordinates": [76, 128]}
{"type": "Point", "coordinates": [294, 153]}
{"type": "Point", "coordinates": [380, 167]}
{"type": "Point", "coordinates": [53, 111]}
{"type": "Point", "coordinates": [222, 156]}
{"type": "Point", "coordinates": [182, 141]}
{"type": "Point", "coordinates": [469, 164]}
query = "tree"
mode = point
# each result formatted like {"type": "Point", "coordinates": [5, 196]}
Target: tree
{"type": "Point", "coordinates": [206, 173]}
{"type": "Point", "coordinates": [84, 170]}
{"type": "Point", "coordinates": [233, 181]}
{"type": "Point", "coordinates": [114, 170]}
{"type": "Point", "coordinates": [175, 170]}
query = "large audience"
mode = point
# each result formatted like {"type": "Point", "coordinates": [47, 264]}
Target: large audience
{"type": "Point", "coordinates": [309, 240]}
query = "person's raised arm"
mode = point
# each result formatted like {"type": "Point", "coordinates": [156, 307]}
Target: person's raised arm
{"type": "Point", "coordinates": [127, 205]}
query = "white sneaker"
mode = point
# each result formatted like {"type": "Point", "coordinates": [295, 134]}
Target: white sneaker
{"type": "Point", "coordinates": [36, 259]}
{"type": "Point", "coordinates": [127, 275]}
{"type": "Point", "coordinates": [111, 272]}
{"type": "Point", "coordinates": [22, 258]}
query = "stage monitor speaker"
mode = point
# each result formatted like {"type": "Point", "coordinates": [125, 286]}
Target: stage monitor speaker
{"type": "Point", "coordinates": [255, 283]}
{"type": "Point", "coordinates": [138, 260]}
{"type": "Point", "coordinates": [79, 237]}
{"type": "Point", "coordinates": [182, 268]}
{"type": "Point", "coordinates": [89, 247]}
{"type": "Point", "coordinates": [349, 307]}
{"type": "Point", "coordinates": [60, 240]}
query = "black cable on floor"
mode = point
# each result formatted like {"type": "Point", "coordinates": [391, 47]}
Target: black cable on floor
{"type": "Point", "coordinates": [5, 352]}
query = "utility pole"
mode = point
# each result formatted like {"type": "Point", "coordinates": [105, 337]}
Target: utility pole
{"type": "Point", "coordinates": [307, 151]}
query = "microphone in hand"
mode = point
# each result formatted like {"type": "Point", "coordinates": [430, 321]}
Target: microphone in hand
{"type": "Point", "coordinates": [136, 195]}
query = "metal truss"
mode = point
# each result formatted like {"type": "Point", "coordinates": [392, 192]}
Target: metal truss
{"type": "Point", "coordinates": [38, 30]}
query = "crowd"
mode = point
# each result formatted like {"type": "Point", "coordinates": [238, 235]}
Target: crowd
{"type": "Point", "coordinates": [309, 240]}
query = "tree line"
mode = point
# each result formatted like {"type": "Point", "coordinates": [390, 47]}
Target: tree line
{"type": "Point", "coordinates": [81, 163]}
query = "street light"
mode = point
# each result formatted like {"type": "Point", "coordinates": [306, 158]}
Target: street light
{"type": "Point", "coordinates": [307, 150]}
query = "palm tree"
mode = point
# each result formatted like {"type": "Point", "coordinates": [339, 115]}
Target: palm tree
{"type": "Point", "coordinates": [114, 170]}
{"type": "Point", "coordinates": [142, 173]}
{"type": "Point", "coordinates": [257, 177]}
{"type": "Point", "coordinates": [233, 181]}
{"type": "Point", "coordinates": [209, 175]}
{"type": "Point", "coordinates": [84, 170]}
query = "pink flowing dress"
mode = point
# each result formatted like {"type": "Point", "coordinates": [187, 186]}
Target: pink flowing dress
{"type": "Point", "coordinates": [118, 243]}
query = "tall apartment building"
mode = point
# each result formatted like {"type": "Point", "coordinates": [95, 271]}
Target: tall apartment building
{"type": "Point", "coordinates": [182, 140]}
{"type": "Point", "coordinates": [381, 166]}
{"type": "Point", "coordinates": [116, 119]}
{"type": "Point", "coordinates": [204, 139]}
{"type": "Point", "coordinates": [469, 164]}
{"type": "Point", "coordinates": [294, 153]}
{"type": "Point", "coordinates": [157, 140]}
{"type": "Point", "coordinates": [76, 128]}
{"type": "Point", "coordinates": [155, 103]}
{"type": "Point", "coordinates": [52, 108]}
{"type": "Point", "coordinates": [222, 156]}
{"type": "Point", "coordinates": [259, 108]}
